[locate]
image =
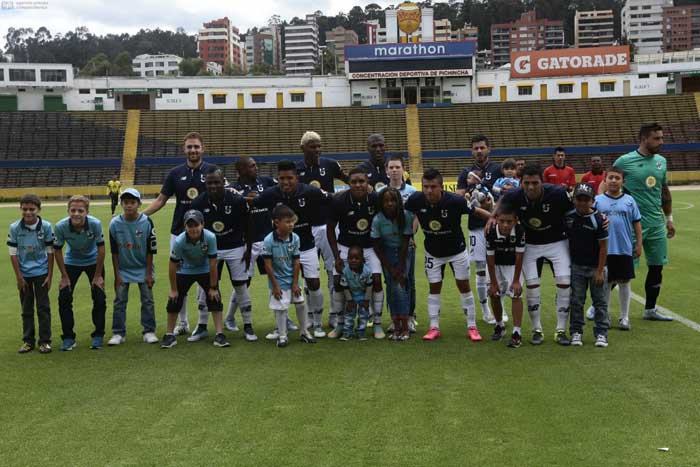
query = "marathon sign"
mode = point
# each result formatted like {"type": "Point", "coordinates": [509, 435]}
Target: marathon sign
{"type": "Point", "coordinates": [417, 50]}
{"type": "Point", "coordinates": [570, 62]}
{"type": "Point", "coordinates": [410, 74]}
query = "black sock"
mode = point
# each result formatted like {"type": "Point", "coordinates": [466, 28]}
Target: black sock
{"type": "Point", "coordinates": [652, 286]}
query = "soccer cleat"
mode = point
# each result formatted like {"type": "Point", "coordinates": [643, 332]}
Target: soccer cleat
{"type": "Point", "coordinates": [624, 324]}
{"type": "Point", "coordinates": [221, 341]}
{"type": "Point", "coordinates": [432, 334]}
{"type": "Point", "coordinates": [488, 318]}
{"type": "Point", "coordinates": [116, 339]}
{"type": "Point", "coordinates": [336, 332]}
{"type": "Point", "coordinates": [473, 334]}
{"type": "Point", "coordinates": [515, 341]}
{"type": "Point", "coordinates": [590, 313]}
{"type": "Point", "coordinates": [560, 338]}
{"type": "Point", "coordinates": [412, 323]}
{"type": "Point", "coordinates": [199, 333]}
{"type": "Point", "coordinates": [182, 328]}
{"type": "Point", "coordinates": [537, 337]}
{"type": "Point", "coordinates": [26, 347]}
{"type": "Point", "coordinates": [577, 339]}
{"type": "Point", "coordinates": [405, 337]}
{"type": "Point", "coordinates": [97, 342]}
{"type": "Point", "coordinates": [169, 341]}
{"type": "Point", "coordinates": [45, 348]}
{"type": "Point", "coordinates": [498, 333]}
{"type": "Point", "coordinates": [282, 341]}
{"type": "Point", "coordinates": [601, 341]}
{"type": "Point", "coordinates": [344, 337]}
{"type": "Point", "coordinates": [307, 338]}
{"type": "Point", "coordinates": [150, 338]}
{"type": "Point", "coordinates": [249, 333]}
{"type": "Point", "coordinates": [653, 315]}
{"type": "Point", "coordinates": [379, 332]}
{"type": "Point", "coordinates": [291, 326]}
{"type": "Point", "coordinates": [230, 325]}
{"type": "Point", "coordinates": [319, 333]}
{"type": "Point", "coordinates": [68, 344]}
{"type": "Point", "coordinates": [361, 336]}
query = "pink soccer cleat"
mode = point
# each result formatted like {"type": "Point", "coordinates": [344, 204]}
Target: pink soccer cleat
{"type": "Point", "coordinates": [473, 334]}
{"type": "Point", "coordinates": [432, 334]}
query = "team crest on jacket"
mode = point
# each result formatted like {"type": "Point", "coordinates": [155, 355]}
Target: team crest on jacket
{"type": "Point", "coordinates": [302, 202]}
{"type": "Point", "coordinates": [218, 226]}
{"type": "Point", "coordinates": [444, 213]}
{"type": "Point", "coordinates": [322, 171]}
{"type": "Point", "coordinates": [315, 184]}
{"type": "Point", "coordinates": [545, 207]}
{"type": "Point", "coordinates": [227, 209]}
{"type": "Point", "coordinates": [138, 232]}
{"type": "Point", "coordinates": [192, 192]}
{"type": "Point", "coordinates": [435, 225]}
{"type": "Point", "coordinates": [205, 246]}
{"type": "Point", "coordinates": [40, 234]}
{"type": "Point", "coordinates": [362, 224]}
{"type": "Point", "coordinates": [659, 165]}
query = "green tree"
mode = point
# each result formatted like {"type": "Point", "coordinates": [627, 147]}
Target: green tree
{"type": "Point", "coordinates": [97, 66]}
{"type": "Point", "coordinates": [191, 66]}
{"type": "Point", "coordinates": [121, 65]}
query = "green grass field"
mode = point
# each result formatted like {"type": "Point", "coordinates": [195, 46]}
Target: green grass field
{"type": "Point", "coordinates": [450, 402]}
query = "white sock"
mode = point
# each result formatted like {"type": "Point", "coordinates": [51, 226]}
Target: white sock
{"type": "Point", "coordinates": [281, 319]}
{"type": "Point", "coordinates": [203, 311]}
{"type": "Point", "coordinates": [182, 315]}
{"type": "Point", "coordinates": [533, 307]}
{"type": "Point", "coordinates": [434, 302]}
{"type": "Point", "coordinates": [563, 296]}
{"type": "Point", "coordinates": [517, 329]}
{"type": "Point", "coordinates": [315, 306]}
{"type": "Point", "coordinates": [625, 293]}
{"type": "Point", "coordinates": [332, 310]}
{"type": "Point", "coordinates": [232, 307]}
{"type": "Point", "coordinates": [500, 323]}
{"type": "Point", "coordinates": [339, 306]}
{"type": "Point", "coordinates": [482, 284]}
{"type": "Point", "coordinates": [467, 300]}
{"type": "Point", "coordinates": [378, 306]}
{"type": "Point", "coordinates": [243, 301]}
{"type": "Point", "coordinates": [302, 317]}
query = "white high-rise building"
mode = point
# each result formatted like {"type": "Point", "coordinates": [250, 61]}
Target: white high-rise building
{"type": "Point", "coordinates": [301, 47]}
{"type": "Point", "coordinates": [642, 24]}
{"type": "Point", "coordinates": [150, 66]}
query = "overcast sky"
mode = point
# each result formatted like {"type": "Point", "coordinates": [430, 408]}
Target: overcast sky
{"type": "Point", "coordinates": [102, 17]}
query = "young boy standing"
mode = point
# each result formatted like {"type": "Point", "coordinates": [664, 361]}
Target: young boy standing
{"type": "Point", "coordinates": [625, 239]}
{"type": "Point", "coordinates": [356, 283]}
{"type": "Point", "coordinates": [282, 264]}
{"type": "Point", "coordinates": [132, 239]}
{"type": "Point", "coordinates": [30, 242]}
{"type": "Point", "coordinates": [193, 259]}
{"type": "Point", "coordinates": [588, 243]}
{"type": "Point", "coordinates": [505, 248]}
{"type": "Point", "coordinates": [85, 254]}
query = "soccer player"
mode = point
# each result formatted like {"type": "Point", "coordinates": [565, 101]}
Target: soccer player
{"type": "Point", "coordinates": [226, 216]}
{"type": "Point", "coordinates": [542, 208]}
{"type": "Point", "coordinates": [132, 240]}
{"type": "Point", "coordinates": [374, 166]}
{"type": "Point", "coordinates": [113, 188]}
{"type": "Point", "coordinates": [505, 247]}
{"type": "Point", "coordinates": [395, 170]}
{"type": "Point", "coordinates": [193, 259]}
{"type": "Point", "coordinates": [490, 172]}
{"type": "Point", "coordinates": [596, 175]}
{"type": "Point", "coordinates": [250, 185]}
{"type": "Point", "coordinates": [588, 243]}
{"type": "Point", "coordinates": [321, 173]}
{"type": "Point", "coordinates": [85, 254]}
{"type": "Point", "coordinates": [30, 243]}
{"type": "Point", "coordinates": [186, 182]}
{"type": "Point", "coordinates": [559, 173]}
{"type": "Point", "coordinates": [282, 264]}
{"type": "Point", "coordinates": [645, 180]}
{"type": "Point", "coordinates": [352, 212]}
{"type": "Point", "coordinates": [305, 201]}
{"type": "Point", "coordinates": [624, 239]}
{"type": "Point", "coordinates": [440, 215]}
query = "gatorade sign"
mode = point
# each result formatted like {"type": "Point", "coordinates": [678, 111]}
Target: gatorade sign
{"type": "Point", "coordinates": [570, 62]}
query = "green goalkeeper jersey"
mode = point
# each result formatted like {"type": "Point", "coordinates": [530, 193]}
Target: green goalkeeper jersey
{"type": "Point", "coordinates": [644, 178]}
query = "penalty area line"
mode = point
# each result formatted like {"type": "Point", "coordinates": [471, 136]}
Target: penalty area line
{"type": "Point", "coordinates": [681, 319]}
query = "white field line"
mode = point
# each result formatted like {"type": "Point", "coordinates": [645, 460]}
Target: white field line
{"type": "Point", "coordinates": [681, 319]}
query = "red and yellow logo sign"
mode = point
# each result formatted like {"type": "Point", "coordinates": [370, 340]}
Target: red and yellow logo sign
{"type": "Point", "coordinates": [409, 17]}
